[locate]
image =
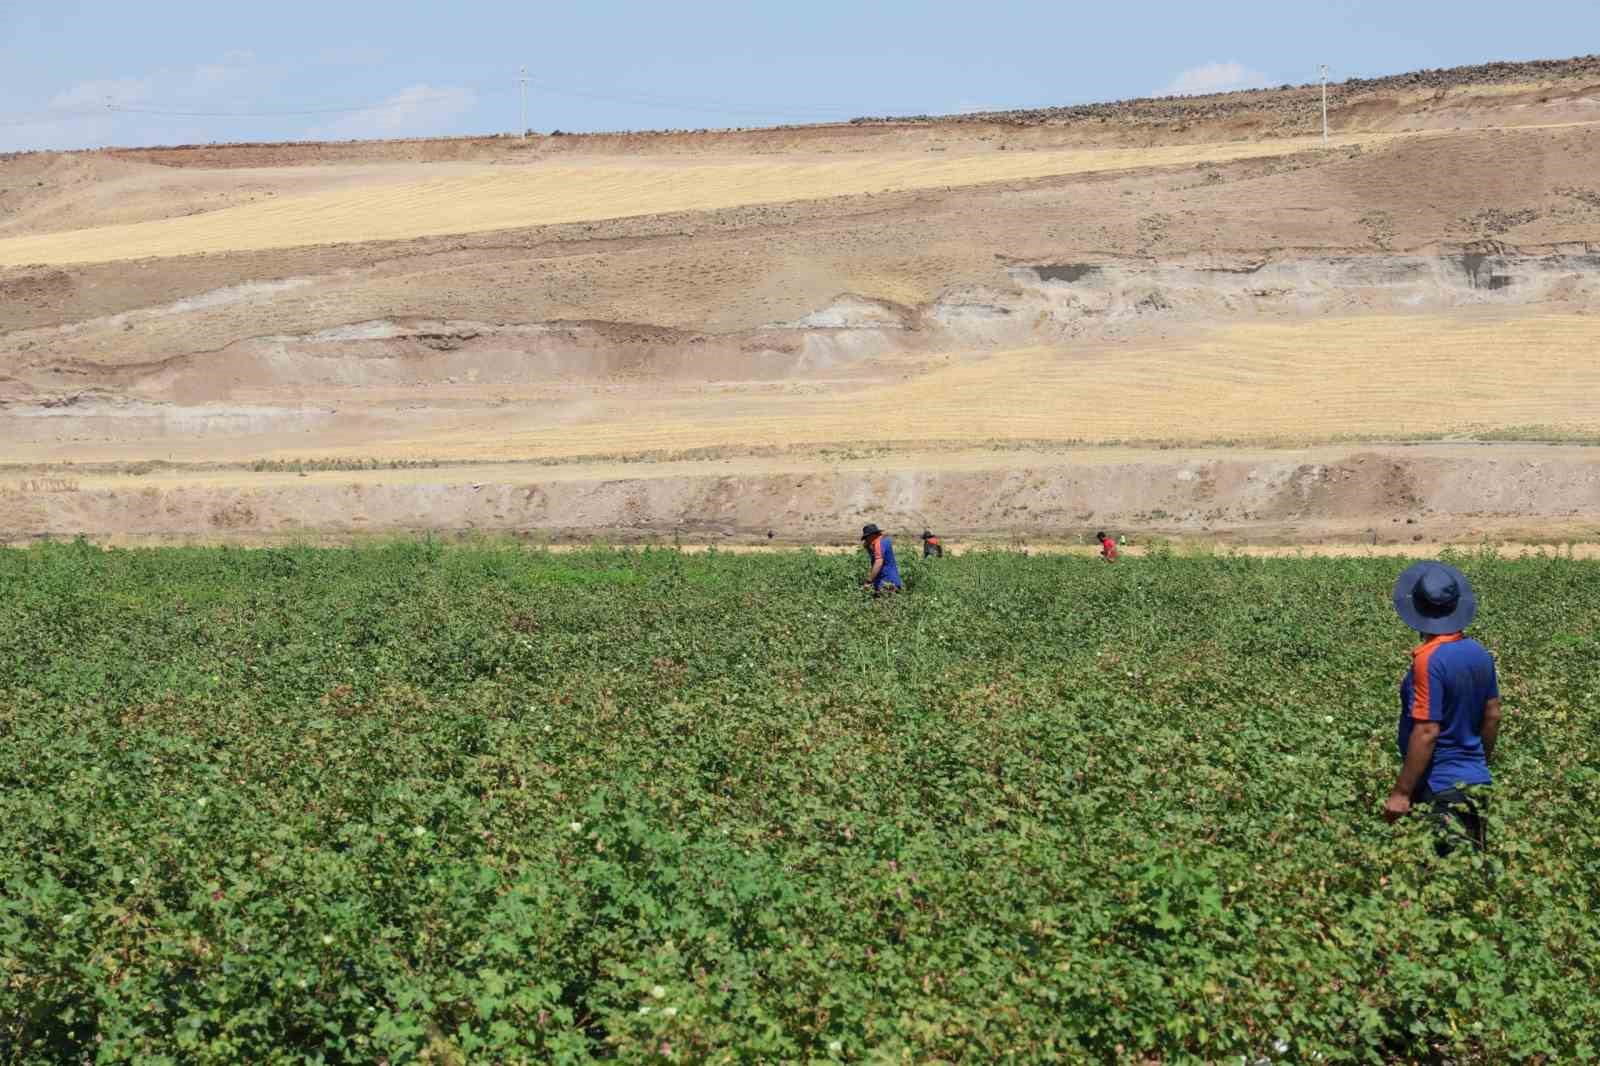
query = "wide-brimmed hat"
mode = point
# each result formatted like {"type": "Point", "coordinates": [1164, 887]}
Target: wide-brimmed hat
{"type": "Point", "coordinates": [1433, 597]}
{"type": "Point", "coordinates": [869, 531]}
{"type": "Point", "coordinates": [926, 535]}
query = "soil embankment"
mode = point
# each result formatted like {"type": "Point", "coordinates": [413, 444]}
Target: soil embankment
{"type": "Point", "coordinates": [1373, 495]}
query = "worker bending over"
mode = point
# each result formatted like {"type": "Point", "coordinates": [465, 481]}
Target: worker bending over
{"type": "Point", "coordinates": [885, 571]}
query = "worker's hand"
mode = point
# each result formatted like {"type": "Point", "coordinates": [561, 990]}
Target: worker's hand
{"type": "Point", "coordinates": [1396, 807]}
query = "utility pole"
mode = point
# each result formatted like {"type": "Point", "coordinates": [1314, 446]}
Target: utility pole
{"type": "Point", "coordinates": [524, 82]}
{"type": "Point", "coordinates": [1324, 68]}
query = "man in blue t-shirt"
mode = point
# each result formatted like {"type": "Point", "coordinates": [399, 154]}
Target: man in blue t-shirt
{"type": "Point", "coordinates": [885, 571]}
{"type": "Point", "coordinates": [1449, 705]}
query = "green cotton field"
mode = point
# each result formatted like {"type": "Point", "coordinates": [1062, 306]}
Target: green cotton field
{"type": "Point", "coordinates": [414, 803]}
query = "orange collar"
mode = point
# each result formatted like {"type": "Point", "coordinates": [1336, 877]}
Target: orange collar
{"type": "Point", "coordinates": [1435, 641]}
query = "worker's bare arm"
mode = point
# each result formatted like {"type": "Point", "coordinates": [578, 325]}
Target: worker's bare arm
{"type": "Point", "coordinates": [1491, 726]}
{"type": "Point", "coordinates": [1419, 752]}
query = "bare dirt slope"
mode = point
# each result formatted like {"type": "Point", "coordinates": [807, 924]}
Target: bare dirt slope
{"type": "Point", "coordinates": [1183, 273]}
{"type": "Point", "coordinates": [1374, 495]}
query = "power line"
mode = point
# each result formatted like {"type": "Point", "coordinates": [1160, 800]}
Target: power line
{"type": "Point", "coordinates": [1322, 69]}
{"type": "Point", "coordinates": [715, 107]}
{"type": "Point", "coordinates": [523, 81]}
{"type": "Point", "coordinates": [44, 117]}
{"type": "Point", "coordinates": [639, 99]}
{"type": "Point", "coordinates": [278, 114]}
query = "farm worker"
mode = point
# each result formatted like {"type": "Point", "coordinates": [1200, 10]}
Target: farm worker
{"type": "Point", "coordinates": [1449, 705]}
{"type": "Point", "coordinates": [885, 571]}
{"type": "Point", "coordinates": [931, 545]}
{"type": "Point", "coordinates": [1108, 547]}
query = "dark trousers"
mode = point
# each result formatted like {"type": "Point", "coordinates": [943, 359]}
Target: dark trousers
{"type": "Point", "coordinates": [1457, 815]}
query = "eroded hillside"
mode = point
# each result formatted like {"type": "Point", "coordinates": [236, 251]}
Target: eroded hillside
{"type": "Point", "coordinates": [1117, 275]}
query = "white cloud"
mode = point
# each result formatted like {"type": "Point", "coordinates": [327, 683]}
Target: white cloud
{"type": "Point", "coordinates": [88, 132]}
{"type": "Point", "coordinates": [182, 87]}
{"type": "Point", "coordinates": [146, 106]}
{"type": "Point", "coordinates": [92, 95]}
{"type": "Point", "coordinates": [415, 111]}
{"type": "Point", "coordinates": [1215, 77]}
{"type": "Point", "coordinates": [77, 117]}
{"type": "Point", "coordinates": [350, 55]}
{"type": "Point", "coordinates": [234, 67]}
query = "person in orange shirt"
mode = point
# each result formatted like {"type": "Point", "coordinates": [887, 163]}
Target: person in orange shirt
{"type": "Point", "coordinates": [1108, 547]}
{"type": "Point", "coordinates": [931, 546]}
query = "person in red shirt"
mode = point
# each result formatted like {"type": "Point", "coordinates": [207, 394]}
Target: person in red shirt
{"type": "Point", "coordinates": [1108, 547]}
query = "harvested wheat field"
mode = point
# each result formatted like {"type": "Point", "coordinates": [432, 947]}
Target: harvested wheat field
{"type": "Point", "coordinates": [496, 198]}
{"type": "Point", "coordinates": [1395, 377]}
{"type": "Point", "coordinates": [958, 323]}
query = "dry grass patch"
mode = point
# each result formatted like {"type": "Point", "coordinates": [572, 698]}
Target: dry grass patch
{"type": "Point", "coordinates": [1400, 376]}
{"type": "Point", "coordinates": [496, 198]}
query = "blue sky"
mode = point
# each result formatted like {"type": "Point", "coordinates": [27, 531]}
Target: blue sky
{"type": "Point", "coordinates": [450, 67]}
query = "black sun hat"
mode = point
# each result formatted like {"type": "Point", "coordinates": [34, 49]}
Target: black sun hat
{"type": "Point", "coordinates": [926, 535]}
{"type": "Point", "coordinates": [1433, 597]}
{"type": "Point", "coordinates": [869, 530]}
